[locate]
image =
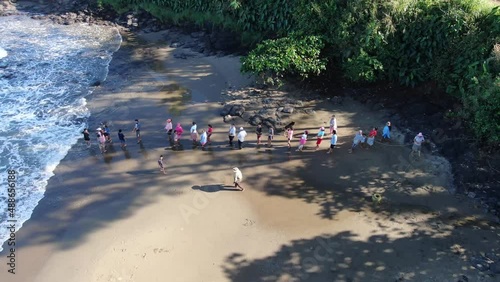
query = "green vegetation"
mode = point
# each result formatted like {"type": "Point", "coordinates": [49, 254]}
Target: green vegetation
{"type": "Point", "coordinates": [455, 43]}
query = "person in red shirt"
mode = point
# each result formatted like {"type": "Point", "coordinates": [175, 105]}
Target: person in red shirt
{"type": "Point", "coordinates": [209, 133]}
{"type": "Point", "coordinates": [371, 137]}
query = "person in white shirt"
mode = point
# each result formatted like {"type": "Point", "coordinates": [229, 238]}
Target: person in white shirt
{"type": "Point", "coordinates": [232, 133]}
{"type": "Point", "coordinates": [203, 138]}
{"type": "Point", "coordinates": [333, 124]}
{"type": "Point", "coordinates": [194, 133]}
{"type": "Point", "coordinates": [238, 177]}
{"type": "Point", "coordinates": [359, 138]}
{"type": "Point", "coordinates": [270, 136]}
{"type": "Point", "coordinates": [241, 137]}
{"type": "Point", "coordinates": [168, 128]}
{"type": "Point", "coordinates": [417, 143]}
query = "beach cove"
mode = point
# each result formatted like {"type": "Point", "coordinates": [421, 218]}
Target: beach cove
{"type": "Point", "coordinates": [303, 216]}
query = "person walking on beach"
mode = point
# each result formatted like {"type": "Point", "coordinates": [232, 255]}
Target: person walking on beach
{"type": "Point", "coordinates": [321, 134]}
{"type": "Point", "coordinates": [193, 132]}
{"type": "Point", "coordinates": [209, 133]}
{"type": "Point", "coordinates": [101, 139]}
{"type": "Point", "coordinates": [358, 138]}
{"type": "Point", "coordinates": [302, 141]}
{"type": "Point", "coordinates": [178, 133]}
{"type": "Point", "coordinates": [289, 135]}
{"type": "Point", "coordinates": [137, 130]}
{"type": "Point", "coordinates": [86, 136]}
{"type": "Point", "coordinates": [241, 137]}
{"type": "Point", "coordinates": [232, 133]}
{"type": "Point", "coordinates": [169, 128]}
{"type": "Point", "coordinates": [371, 136]}
{"type": "Point", "coordinates": [237, 178]}
{"type": "Point", "coordinates": [333, 142]}
{"type": "Point", "coordinates": [270, 136]}
{"type": "Point", "coordinates": [203, 138]}
{"type": "Point", "coordinates": [106, 134]}
{"type": "Point", "coordinates": [333, 124]}
{"type": "Point", "coordinates": [258, 132]}
{"type": "Point", "coordinates": [121, 137]}
{"type": "Point", "coordinates": [161, 165]}
{"type": "Point", "coordinates": [417, 144]}
{"type": "Point", "coordinates": [386, 133]}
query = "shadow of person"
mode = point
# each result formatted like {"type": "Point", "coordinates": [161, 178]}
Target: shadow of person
{"type": "Point", "coordinates": [214, 188]}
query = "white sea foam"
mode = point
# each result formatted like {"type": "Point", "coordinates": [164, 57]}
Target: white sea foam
{"type": "Point", "coordinates": [3, 53]}
{"type": "Point", "coordinates": [43, 83]}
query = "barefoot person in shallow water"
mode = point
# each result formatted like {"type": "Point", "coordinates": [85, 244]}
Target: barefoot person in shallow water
{"type": "Point", "coordinates": [238, 177]}
{"type": "Point", "coordinates": [137, 130]}
{"type": "Point", "coordinates": [86, 137]}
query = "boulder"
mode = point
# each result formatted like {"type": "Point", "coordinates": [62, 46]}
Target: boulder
{"type": "Point", "coordinates": [288, 109]}
{"type": "Point", "coordinates": [228, 118]}
{"type": "Point", "coordinates": [237, 110]}
{"type": "Point", "coordinates": [226, 110]}
{"type": "Point", "coordinates": [256, 119]}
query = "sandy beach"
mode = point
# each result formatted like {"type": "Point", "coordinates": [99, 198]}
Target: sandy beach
{"type": "Point", "coordinates": [304, 216]}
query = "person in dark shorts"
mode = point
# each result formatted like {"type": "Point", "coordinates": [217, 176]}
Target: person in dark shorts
{"type": "Point", "coordinates": [137, 130]}
{"type": "Point", "coordinates": [333, 141]}
{"type": "Point", "coordinates": [161, 165]}
{"type": "Point", "coordinates": [258, 131]}
{"type": "Point", "coordinates": [209, 133]}
{"type": "Point", "coordinates": [122, 138]}
{"type": "Point", "coordinates": [86, 136]}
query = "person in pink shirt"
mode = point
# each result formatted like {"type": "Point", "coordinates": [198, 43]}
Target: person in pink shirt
{"type": "Point", "coordinates": [178, 134]}
{"type": "Point", "coordinates": [303, 141]}
{"type": "Point", "coordinates": [209, 133]}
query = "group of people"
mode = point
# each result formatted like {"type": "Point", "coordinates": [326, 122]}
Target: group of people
{"type": "Point", "coordinates": [174, 134]}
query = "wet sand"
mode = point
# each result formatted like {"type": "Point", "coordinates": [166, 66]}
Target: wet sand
{"type": "Point", "coordinates": [304, 216]}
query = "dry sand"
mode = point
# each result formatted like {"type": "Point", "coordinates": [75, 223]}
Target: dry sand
{"type": "Point", "coordinates": [303, 216]}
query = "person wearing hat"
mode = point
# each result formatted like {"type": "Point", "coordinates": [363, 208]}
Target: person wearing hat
{"type": "Point", "coordinates": [358, 138]}
{"type": "Point", "coordinates": [320, 136]}
{"type": "Point", "coordinates": [417, 144]}
{"type": "Point", "coordinates": [386, 133]}
{"type": "Point", "coordinates": [241, 137]}
{"type": "Point", "coordinates": [169, 127]}
{"type": "Point", "coordinates": [238, 177]}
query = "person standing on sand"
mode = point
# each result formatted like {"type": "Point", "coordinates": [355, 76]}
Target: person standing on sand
{"type": "Point", "coordinates": [417, 144]}
{"type": "Point", "coordinates": [121, 137]}
{"type": "Point", "coordinates": [371, 136]}
{"type": "Point", "coordinates": [137, 130]}
{"type": "Point", "coordinates": [358, 138]}
{"type": "Point", "coordinates": [203, 138]}
{"type": "Point", "coordinates": [333, 124]}
{"type": "Point", "coordinates": [232, 133]}
{"type": "Point", "coordinates": [289, 136]}
{"type": "Point", "coordinates": [333, 142]}
{"type": "Point", "coordinates": [178, 134]}
{"type": "Point", "coordinates": [320, 136]}
{"type": "Point", "coordinates": [386, 133]}
{"type": "Point", "coordinates": [237, 178]}
{"type": "Point", "coordinates": [270, 136]}
{"type": "Point", "coordinates": [209, 133]}
{"type": "Point", "coordinates": [86, 136]}
{"type": "Point", "coordinates": [161, 165]}
{"type": "Point", "coordinates": [303, 140]}
{"type": "Point", "coordinates": [258, 132]}
{"type": "Point", "coordinates": [241, 137]}
{"type": "Point", "coordinates": [169, 128]}
{"type": "Point", "coordinates": [193, 132]}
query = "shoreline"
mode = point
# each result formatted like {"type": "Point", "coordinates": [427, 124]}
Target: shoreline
{"type": "Point", "coordinates": [116, 217]}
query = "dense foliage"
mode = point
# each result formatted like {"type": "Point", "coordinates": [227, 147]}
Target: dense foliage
{"type": "Point", "coordinates": [455, 43]}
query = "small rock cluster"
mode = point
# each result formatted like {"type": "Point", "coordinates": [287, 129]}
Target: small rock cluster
{"type": "Point", "coordinates": [488, 263]}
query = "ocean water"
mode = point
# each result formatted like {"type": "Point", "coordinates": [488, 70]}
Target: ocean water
{"type": "Point", "coordinates": [46, 71]}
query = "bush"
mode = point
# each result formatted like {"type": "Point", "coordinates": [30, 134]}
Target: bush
{"type": "Point", "coordinates": [286, 56]}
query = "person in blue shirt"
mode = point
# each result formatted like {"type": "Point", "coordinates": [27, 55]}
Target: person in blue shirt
{"type": "Point", "coordinates": [386, 133]}
{"type": "Point", "coordinates": [333, 141]}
